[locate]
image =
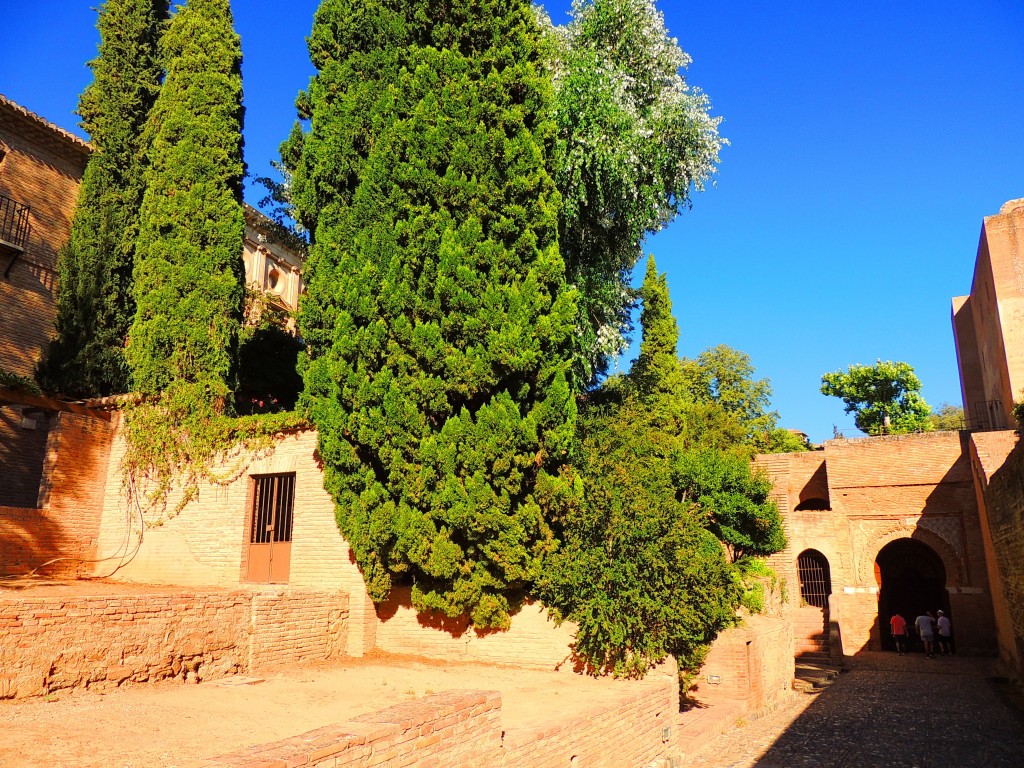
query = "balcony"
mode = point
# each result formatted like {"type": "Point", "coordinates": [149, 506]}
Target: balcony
{"type": "Point", "coordinates": [14, 228]}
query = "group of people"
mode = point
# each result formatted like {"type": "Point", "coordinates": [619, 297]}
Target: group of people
{"type": "Point", "coordinates": [929, 628]}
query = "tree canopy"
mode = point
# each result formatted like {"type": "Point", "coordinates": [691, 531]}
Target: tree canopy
{"type": "Point", "coordinates": [437, 318]}
{"type": "Point", "coordinates": [95, 300]}
{"type": "Point", "coordinates": [634, 140]}
{"type": "Point", "coordinates": [642, 564]}
{"type": "Point", "coordinates": [188, 269]}
{"type": "Point", "coordinates": [885, 398]}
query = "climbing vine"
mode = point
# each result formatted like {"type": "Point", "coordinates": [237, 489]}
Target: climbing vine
{"type": "Point", "coordinates": [177, 441]}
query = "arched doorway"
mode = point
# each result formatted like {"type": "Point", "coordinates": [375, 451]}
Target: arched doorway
{"type": "Point", "coordinates": [911, 579]}
{"type": "Point", "coordinates": [815, 578]}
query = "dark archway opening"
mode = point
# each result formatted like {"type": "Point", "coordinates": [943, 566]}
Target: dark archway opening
{"type": "Point", "coordinates": [911, 580]}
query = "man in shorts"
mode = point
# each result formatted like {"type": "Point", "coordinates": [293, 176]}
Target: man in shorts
{"type": "Point", "coordinates": [925, 625]}
{"type": "Point", "coordinates": [898, 625]}
{"type": "Point", "coordinates": [945, 634]}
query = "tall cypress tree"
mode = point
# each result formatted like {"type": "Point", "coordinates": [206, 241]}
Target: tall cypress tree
{"type": "Point", "coordinates": [189, 274]}
{"type": "Point", "coordinates": [437, 318]}
{"type": "Point", "coordinates": [95, 302]}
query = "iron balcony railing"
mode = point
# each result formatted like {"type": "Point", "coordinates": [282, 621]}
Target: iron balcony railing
{"type": "Point", "coordinates": [13, 223]}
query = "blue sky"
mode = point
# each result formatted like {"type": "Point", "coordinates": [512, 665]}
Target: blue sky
{"type": "Point", "coordinates": [868, 140]}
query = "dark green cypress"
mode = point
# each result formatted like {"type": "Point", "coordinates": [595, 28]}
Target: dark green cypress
{"type": "Point", "coordinates": [437, 317]}
{"type": "Point", "coordinates": [95, 302]}
{"type": "Point", "coordinates": [189, 274]}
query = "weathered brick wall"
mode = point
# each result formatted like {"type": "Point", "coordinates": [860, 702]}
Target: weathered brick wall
{"type": "Point", "coordinates": [205, 544]}
{"type": "Point", "coordinates": [998, 459]}
{"type": "Point", "coordinates": [533, 640]}
{"type": "Point", "coordinates": [751, 664]}
{"type": "Point", "coordinates": [882, 489]}
{"type": "Point", "coordinates": [48, 644]}
{"type": "Point", "coordinates": [41, 168]}
{"type": "Point", "coordinates": [292, 626]}
{"type": "Point", "coordinates": [67, 522]}
{"type": "Point", "coordinates": [463, 729]}
{"type": "Point", "coordinates": [52, 643]}
{"type": "Point", "coordinates": [457, 729]}
{"type": "Point", "coordinates": [633, 729]}
{"type": "Point", "coordinates": [22, 452]}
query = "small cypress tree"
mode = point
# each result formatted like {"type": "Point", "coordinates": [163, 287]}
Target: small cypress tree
{"type": "Point", "coordinates": [189, 273]}
{"type": "Point", "coordinates": [95, 301]}
{"type": "Point", "coordinates": [437, 318]}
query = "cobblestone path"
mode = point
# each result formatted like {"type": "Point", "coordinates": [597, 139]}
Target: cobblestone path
{"type": "Point", "coordinates": [886, 712]}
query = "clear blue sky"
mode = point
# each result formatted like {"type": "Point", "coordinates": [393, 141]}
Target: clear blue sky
{"type": "Point", "coordinates": [868, 140]}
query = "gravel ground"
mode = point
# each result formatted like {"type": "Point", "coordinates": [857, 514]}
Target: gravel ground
{"type": "Point", "coordinates": [886, 712]}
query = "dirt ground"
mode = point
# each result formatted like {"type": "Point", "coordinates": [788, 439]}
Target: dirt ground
{"type": "Point", "coordinates": [179, 725]}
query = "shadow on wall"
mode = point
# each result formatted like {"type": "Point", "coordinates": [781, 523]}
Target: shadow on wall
{"type": "Point", "coordinates": [23, 434]}
{"type": "Point", "coordinates": [60, 516]}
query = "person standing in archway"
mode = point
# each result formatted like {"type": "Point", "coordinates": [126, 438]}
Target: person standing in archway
{"type": "Point", "coordinates": [925, 625]}
{"type": "Point", "coordinates": [898, 625]}
{"type": "Point", "coordinates": [945, 634]}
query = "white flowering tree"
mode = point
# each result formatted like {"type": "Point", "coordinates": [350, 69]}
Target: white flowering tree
{"type": "Point", "coordinates": [634, 141]}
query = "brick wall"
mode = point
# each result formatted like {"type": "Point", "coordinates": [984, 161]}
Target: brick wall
{"type": "Point", "coordinates": [751, 664]}
{"type": "Point", "coordinates": [22, 452]}
{"type": "Point", "coordinates": [66, 523]}
{"type": "Point", "coordinates": [634, 729]}
{"type": "Point", "coordinates": [53, 643]}
{"type": "Point", "coordinates": [458, 729]}
{"type": "Point", "coordinates": [205, 544]}
{"type": "Point", "coordinates": [41, 168]}
{"type": "Point", "coordinates": [293, 626]}
{"type": "Point", "coordinates": [463, 728]}
{"type": "Point", "coordinates": [880, 490]}
{"type": "Point", "coordinates": [532, 641]}
{"type": "Point", "coordinates": [998, 459]}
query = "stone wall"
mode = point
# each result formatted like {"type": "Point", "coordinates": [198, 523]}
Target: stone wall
{"type": "Point", "coordinates": [50, 643]}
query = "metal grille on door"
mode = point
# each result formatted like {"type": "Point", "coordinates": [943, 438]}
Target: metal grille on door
{"type": "Point", "coordinates": [815, 580]}
{"type": "Point", "coordinates": [270, 534]}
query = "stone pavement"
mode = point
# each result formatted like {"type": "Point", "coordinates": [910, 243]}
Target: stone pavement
{"type": "Point", "coordinates": [885, 712]}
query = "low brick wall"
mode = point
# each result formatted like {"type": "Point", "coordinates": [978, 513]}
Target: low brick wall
{"type": "Point", "coordinates": [456, 729]}
{"type": "Point", "coordinates": [751, 664]}
{"type": "Point", "coordinates": [55, 643]}
{"type": "Point", "coordinates": [464, 728]}
{"type": "Point", "coordinates": [637, 730]}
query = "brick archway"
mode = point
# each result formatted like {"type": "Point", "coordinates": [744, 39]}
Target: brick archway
{"type": "Point", "coordinates": [951, 561]}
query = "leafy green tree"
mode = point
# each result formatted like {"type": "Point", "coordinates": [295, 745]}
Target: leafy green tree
{"type": "Point", "coordinates": [947, 417]}
{"type": "Point", "coordinates": [95, 301]}
{"type": "Point", "coordinates": [780, 440]}
{"type": "Point", "coordinates": [642, 568]}
{"type": "Point", "coordinates": [637, 569]}
{"type": "Point", "coordinates": [885, 397]}
{"type": "Point", "coordinates": [188, 272]}
{"type": "Point", "coordinates": [437, 317]}
{"type": "Point", "coordinates": [634, 139]}
{"type": "Point", "coordinates": [736, 501]}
